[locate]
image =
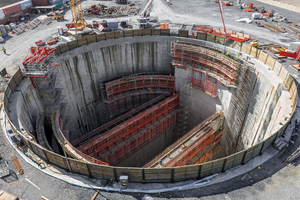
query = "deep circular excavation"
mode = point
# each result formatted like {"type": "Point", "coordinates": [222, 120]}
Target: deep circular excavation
{"type": "Point", "coordinates": [149, 104]}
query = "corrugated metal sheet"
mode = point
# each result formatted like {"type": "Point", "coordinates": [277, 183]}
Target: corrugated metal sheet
{"type": "Point", "coordinates": [40, 2]}
{"type": "Point", "coordinates": [2, 15]}
{"type": "Point", "coordinates": [25, 4]}
{"type": "Point", "coordinates": [12, 9]}
{"type": "Point", "coordinates": [52, 2]}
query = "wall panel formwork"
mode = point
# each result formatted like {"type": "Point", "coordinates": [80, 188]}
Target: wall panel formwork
{"type": "Point", "coordinates": [283, 74]}
{"type": "Point", "coordinates": [128, 33]}
{"type": "Point", "coordinates": [157, 175]}
{"type": "Point", "coordinates": [179, 173]}
{"type": "Point", "coordinates": [165, 32]}
{"type": "Point", "coordinates": [229, 42]}
{"type": "Point", "coordinates": [201, 36]}
{"type": "Point", "coordinates": [246, 48]}
{"type": "Point", "coordinates": [288, 82]}
{"type": "Point", "coordinates": [254, 52]}
{"type": "Point", "coordinates": [237, 46]}
{"type": "Point", "coordinates": [155, 31]}
{"type": "Point", "coordinates": [96, 170]}
{"type": "Point", "coordinates": [73, 44]}
{"type": "Point", "coordinates": [270, 62]}
{"type": "Point", "coordinates": [183, 33]}
{"type": "Point", "coordinates": [146, 31]}
{"type": "Point", "coordinates": [118, 34]}
{"type": "Point", "coordinates": [108, 173]}
{"type": "Point", "coordinates": [110, 35]}
{"type": "Point", "coordinates": [263, 57]}
{"type": "Point", "coordinates": [64, 48]}
{"type": "Point", "coordinates": [238, 158]}
{"type": "Point", "coordinates": [137, 32]}
{"type": "Point", "coordinates": [136, 175]}
{"type": "Point", "coordinates": [206, 169]}
{"type": "Point", "coordinates": [210, 37]}
{"type": "Point", "coordinates": [82, 41]}
{"type": "Point", "coordinates": [220, 40]}
{"type": "Point", "coordinates": [217, 166]}
{"type": "Point", "coordinates": [277, 68]}
{"type": "Point", "coordinates": [91, 39]}
{"type": "Point", "coordinates": [192, 171]}
{"type": "Point", "coordinates": [100, 37]}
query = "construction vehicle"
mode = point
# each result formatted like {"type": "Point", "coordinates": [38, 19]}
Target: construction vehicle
{"type": "Point", "coordinates": [227, 3]}
{"type": "Point", "coordinates": [250, 8]}
{"type": "Point", "coordinates": [143, 23]}
{"type": "Point", "coordinates": [59, 16]}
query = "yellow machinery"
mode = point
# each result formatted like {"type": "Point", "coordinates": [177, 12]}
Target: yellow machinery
{"type": "Point", "coordinates": [58, 15]}
{"type": "Point", "coordinates": [78, 21]}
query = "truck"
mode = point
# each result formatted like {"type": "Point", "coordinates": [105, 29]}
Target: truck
{"type": "Point", "coordinates": [143, 23]}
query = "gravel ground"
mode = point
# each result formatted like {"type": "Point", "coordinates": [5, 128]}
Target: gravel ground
{"type": "Point", "coordinates": [275, 180]}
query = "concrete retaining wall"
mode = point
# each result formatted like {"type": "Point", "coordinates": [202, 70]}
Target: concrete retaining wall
{"type": "Point", "coordinates": [287, 97]}
{"type": "Point", "coordinates": [281, 5]}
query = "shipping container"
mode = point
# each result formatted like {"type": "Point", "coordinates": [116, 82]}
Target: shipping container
{"type": "Point", "coordinates": [12, 9]}
{"type": "Point", "coordinates": [112, 24]}
{"type": "Point", "coordinates": [25, 4]}
{"type": "Point", "coordinates": [40, 2]}
{"type": "Point", "coordinates": [2, 15]}
{"type": "Point", "coordinates": [52, 2]}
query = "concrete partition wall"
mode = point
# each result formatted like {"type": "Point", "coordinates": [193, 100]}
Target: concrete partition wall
{"type": "Point", "coordinates": [158, 175]}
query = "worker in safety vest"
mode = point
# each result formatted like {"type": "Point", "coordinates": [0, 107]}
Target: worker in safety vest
{"type": "Point", "coordinates": [4, 50]}
{"type": "Point", "coordinates": [237, 56]}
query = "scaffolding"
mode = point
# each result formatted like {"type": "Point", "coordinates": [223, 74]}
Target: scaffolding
{"type": "Point", "coordinates": [127, 93]}
{"type": "Point", "coordinates": [119, 120]}
{"type": "Point", "coordinates": [40, 66]}
{"type": "Point", "coordinates": [175, 148]}
{"type": "Point", "coordinates": [208, 62]}
{"type": "Point", "coordinates": [207, 137]}
{"type": "Point", "coordinates": [121, 141]}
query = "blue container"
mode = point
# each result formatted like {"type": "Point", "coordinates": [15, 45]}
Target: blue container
{"type": "Point", "coordinates": [3, 31]}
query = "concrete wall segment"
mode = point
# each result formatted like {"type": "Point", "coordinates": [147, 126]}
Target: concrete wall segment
{"type": "Point", "coordinates": [208, 166]}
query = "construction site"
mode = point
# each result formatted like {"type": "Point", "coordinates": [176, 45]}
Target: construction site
{"type": "Point", "coordinates": [139, 100]}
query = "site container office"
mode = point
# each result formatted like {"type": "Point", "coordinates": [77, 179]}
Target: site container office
{"type": "Point", "coordinates": [40, 2]}
{"type": "Point", "coordinates": [12, 9]}
{"type": "Point", "coordinates": [25, 4]}
{"type": "Point", "coordinates": [2, 15]}
{"type": "Point", "coordinates": [52, 2]}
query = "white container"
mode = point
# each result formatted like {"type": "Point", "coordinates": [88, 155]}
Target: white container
{"type": "Point", "coordinates": [60, 31]}
{"type": "Point", "coordinates": [25, 4]}
{"type": "Point", "coordinates": [7, 27]}
{"type": "Point", "coordinates": [2, 15]}
{"type": "Point", "coordinates": [294, 46]}
{"type": "Point", "coordinates": [256, 16]}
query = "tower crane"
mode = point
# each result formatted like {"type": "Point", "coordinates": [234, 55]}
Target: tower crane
{"type": "Point", "coordinates": [78, 21]}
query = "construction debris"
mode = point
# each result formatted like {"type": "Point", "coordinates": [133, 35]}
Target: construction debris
{"type": "Point", "coordinates": [17, 164]}
{"type": "Point", "coordinates": [32, 184]}
{"type": "Point", "coordinates": [116, 11]}
{"type": "Point", "coordinates": [6, 195]}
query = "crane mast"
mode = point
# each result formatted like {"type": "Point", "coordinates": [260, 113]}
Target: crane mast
{"type": "Point", "coordinates": [77, 15]}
